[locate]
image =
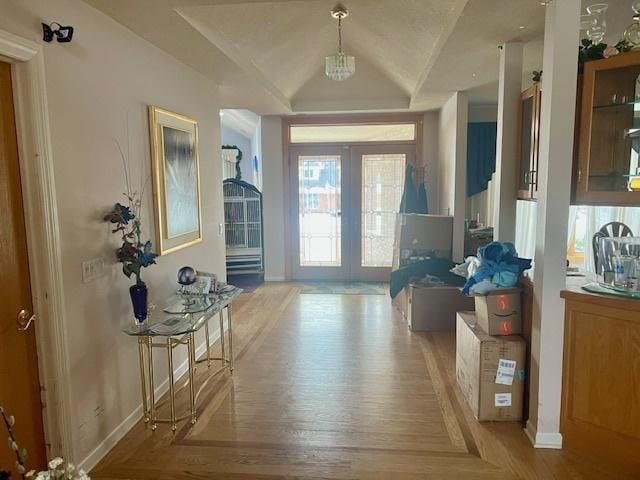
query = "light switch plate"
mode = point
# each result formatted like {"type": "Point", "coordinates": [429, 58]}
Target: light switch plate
{"type": "Point", "coordinates": [92, 269]}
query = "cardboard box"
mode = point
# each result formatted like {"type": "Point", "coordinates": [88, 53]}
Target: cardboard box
{"type": "Point", "coordinates": [490, 371]}
{"type": "Point", "coordinates": [424, 233]}
{"type": "Point", "coordinates": [433, 309]}
{"type": "Point", "coordinates": [500, 312]}
{"type": "Point", "coordinates": [401, 302]}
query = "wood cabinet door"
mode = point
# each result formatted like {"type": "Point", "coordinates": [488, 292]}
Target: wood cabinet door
{"type": "Point", "coordinates": [609, 132]}
{"type": "Point", "coordinates": [601, 382]}
{"type": "Point", "coordinates": [528, 141]}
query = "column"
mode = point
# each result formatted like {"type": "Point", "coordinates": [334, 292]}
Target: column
{"type": "Point", "coordinates": [556, 154]}
{"type": "Point", "coordinates": [507, 155]}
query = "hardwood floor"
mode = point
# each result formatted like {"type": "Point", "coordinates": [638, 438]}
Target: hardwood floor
{"type": "Point", "coordinates": [335, 386]}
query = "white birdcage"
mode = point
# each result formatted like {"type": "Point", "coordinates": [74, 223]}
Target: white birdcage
{"type": "Point", "coordinates": [243, 227]}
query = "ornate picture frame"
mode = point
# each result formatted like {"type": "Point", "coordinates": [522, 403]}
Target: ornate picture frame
{"type": "Point", "coordinates": [175, 167]}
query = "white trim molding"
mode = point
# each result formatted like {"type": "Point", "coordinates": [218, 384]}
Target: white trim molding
{"type": "Point", "coordinates": [274, 278]}
{"type": "Point", "coordinates": [43, 239]}
{"type": "Point", "coordinates": [543, 440]}
{"type": "Point", "coordinates": [98, 453]}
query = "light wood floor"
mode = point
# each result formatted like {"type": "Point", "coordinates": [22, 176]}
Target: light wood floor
{"type": "Point", "coordinates": [335, 386]}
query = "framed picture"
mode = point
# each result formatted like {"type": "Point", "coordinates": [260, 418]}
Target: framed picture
{"type": "Point", "coordinates": [176, 180]}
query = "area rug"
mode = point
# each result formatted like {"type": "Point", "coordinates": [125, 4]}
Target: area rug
{"type": "Point", "coordinates": [248, 283]}
{"type": "Point", "coordinates": [344, 288]}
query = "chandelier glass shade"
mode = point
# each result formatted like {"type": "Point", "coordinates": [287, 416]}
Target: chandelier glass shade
{"type": "Point", "coordinates": [339, 66]}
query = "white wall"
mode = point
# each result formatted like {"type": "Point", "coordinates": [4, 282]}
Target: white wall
{"type": "Point", "coordinates": [430, 158]}
{"type": "Point", "coordinates": [256, 150]}
{"type": "Point", "coordinates": [483, 113]}
{"type": "Point", "coordinates": [232, 137]}
{"type": "Point", "coordinates": [98, 89]}
{"type": "Point", "coordinates": [452, 166]}
{"type": "Point", "coordinates": [273, 198]}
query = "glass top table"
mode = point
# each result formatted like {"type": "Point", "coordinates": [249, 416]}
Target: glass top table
{"type": "Point", "coordinates": [176, 325]}
{"type": "Point", "coordinates": [184, 314]}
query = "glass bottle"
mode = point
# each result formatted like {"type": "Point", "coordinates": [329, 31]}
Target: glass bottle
{"type": "Point", "coordinates": [597, 31]}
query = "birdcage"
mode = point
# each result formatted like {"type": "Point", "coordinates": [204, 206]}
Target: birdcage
{"type": "Point", "coordinates": [243, 227]}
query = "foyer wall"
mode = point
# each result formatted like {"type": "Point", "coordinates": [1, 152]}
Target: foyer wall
{"type": "Point", "coordinates": [98, 89]}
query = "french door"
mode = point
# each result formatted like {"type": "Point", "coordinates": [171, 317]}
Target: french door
{"type": "Point", "coordinates": [344, 200]}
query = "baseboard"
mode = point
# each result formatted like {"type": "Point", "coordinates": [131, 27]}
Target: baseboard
{"type": "Point", "coordinates": [543, 440]}
{"type": "Point", "coordinates": [98, 453]}
{"type": "Point", "coordinates": [274, 279]}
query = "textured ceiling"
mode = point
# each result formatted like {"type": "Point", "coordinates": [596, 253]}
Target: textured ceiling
{"type": "Point", "coordinates": [268, 56]}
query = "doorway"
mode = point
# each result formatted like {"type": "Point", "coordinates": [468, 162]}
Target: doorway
{"type": "Point", "coordinates": [343, 198]}
{"type": "Point", "coordinates": [19, 380]}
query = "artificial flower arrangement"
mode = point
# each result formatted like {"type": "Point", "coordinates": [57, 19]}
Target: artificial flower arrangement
{"type": "Point", "coordinates": [597, 51]}
{"type": "Point", "coordinates": [134, 254]}
{"type": "Point", "coordinates": [57, 469]}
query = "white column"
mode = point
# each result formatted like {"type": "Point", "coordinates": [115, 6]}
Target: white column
{"type": "Point", "coordinates": [556, 153]}
{"type": "Point", "coordinates": [273, 198]}
{"type": "Point", "coordinates": [452, 166]}
{"type": "Point", "coordinates": [507, 155]}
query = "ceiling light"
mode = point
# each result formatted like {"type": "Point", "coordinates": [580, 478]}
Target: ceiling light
{"type": "Point", "coordinates": [339, 66]}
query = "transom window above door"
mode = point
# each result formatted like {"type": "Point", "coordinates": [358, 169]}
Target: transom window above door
{"type": "Point", "coordinates": [353, 133]}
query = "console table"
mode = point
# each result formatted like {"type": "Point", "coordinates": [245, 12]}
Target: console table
{"type": "Point", "coordinates": [174, 326]}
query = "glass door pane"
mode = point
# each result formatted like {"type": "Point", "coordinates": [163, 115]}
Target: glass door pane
{"type": "Point", "coordinates": [381, 190]}
{"type": "Point", "coordinates": [319, 210]}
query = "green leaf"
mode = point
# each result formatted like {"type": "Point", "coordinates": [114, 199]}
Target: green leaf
{"type": "Point", "coordinates": [23, 455]}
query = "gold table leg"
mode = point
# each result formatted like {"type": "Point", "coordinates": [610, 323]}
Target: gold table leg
{"type": "Point", "coordinates": [152, 399]}
{"type": "Point", "coordinates": [191, 347]}
{"type": "Point", "coordinates": [172, 398]}
{"type": "Point", "coordinates": [230, 332]}
{"type": "Point", "coordinates": [206, 332]}
{"type": "Point", "coordinates": [221, 317]}
{"type": "Point", "coordinates": [143, 383]}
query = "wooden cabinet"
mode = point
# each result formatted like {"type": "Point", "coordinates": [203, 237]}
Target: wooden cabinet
{"type": "Point", "coordinates": [601, 378]}
{"type": "Point", "coordinates": [530, 101]}
{"type": "Point", "coordinates": [609, 132]}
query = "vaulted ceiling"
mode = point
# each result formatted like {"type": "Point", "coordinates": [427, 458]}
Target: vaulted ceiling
{"type": "Point", "coordinates": [268, 56]}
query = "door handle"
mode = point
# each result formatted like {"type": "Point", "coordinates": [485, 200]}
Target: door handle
{"type": "Point", "coordinates": [25, 319]}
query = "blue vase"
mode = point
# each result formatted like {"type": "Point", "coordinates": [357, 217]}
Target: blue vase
{"type": "Point", "coordinates": [139, 295]}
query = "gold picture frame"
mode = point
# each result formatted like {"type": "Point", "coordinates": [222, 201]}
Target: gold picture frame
{"type": "Point", "coordinates": [175, 167]}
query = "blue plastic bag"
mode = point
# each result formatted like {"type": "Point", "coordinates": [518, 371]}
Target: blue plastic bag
{"type": "Point", "coordinates": [500, 264]}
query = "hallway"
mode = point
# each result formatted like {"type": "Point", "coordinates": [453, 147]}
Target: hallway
{"type": "Point", "coordinates": [335, 386]}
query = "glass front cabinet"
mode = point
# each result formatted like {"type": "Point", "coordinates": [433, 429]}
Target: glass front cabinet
{"type": "Point", "coordinates": [608, 172]}
{"type": "Point", "coordinates": [530, 101]}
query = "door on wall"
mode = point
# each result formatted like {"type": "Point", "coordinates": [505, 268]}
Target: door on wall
{"type": "Point", "coordinates": [377, 183]}
{"type": "Point", "coordinates": [319, 213]}
{"type": "Point", "coordinates": [344, 201]}
{"type": "Point", "coordinates": [19, 383]}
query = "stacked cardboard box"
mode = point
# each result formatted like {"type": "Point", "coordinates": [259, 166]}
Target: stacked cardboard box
{"type": "Point", "coordinates": [417, 234]}
{"type": "Point", "coordinates": [426, 307]}
{"type": "Point", "coordinates": [490, 357]}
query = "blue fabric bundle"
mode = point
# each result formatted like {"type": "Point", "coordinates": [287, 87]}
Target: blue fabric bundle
{"type": "Point", "coordinates": [499, 264]}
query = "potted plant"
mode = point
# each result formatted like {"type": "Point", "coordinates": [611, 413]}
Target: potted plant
{"type": "Point", "coordinates": [56, 468]}
{"type": "Point", "coordinates": [134, 254]}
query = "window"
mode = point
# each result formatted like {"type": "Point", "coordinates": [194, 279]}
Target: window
{"type": "Point", "coordinates": [349, 133]}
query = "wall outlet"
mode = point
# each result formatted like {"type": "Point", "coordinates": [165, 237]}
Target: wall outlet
{"type": "Point", "coordinates": [92, 269]}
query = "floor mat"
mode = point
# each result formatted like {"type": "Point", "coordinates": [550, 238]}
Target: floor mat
{"type": "Point", "coordinates": [248, 283]}
{"type": "Point", "coordinates": [345, 288]}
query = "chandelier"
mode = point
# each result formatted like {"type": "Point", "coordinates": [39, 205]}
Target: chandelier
{"type": "Point", "coordinates": [339, 66]}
